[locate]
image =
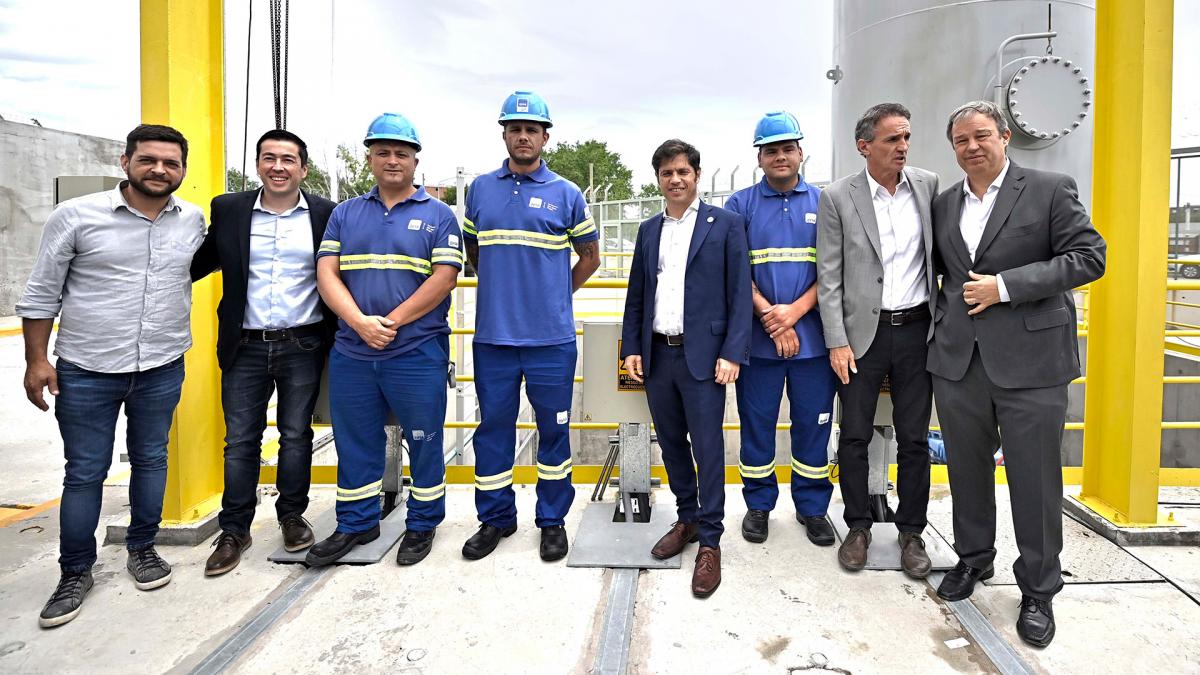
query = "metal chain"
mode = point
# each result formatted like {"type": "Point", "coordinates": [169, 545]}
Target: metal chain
{"type": "Point", "coordinates": [287, 50]}
{"type": "Point", "coordinates": [276, 15]}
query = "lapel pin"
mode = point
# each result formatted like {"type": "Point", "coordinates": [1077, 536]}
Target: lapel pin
{"type": "Point", "coordinates": [710, 219]}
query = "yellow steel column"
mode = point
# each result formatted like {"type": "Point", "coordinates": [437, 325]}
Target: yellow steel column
{"type": "Point", "coordinates": [1130, 192]}
{"type": "Point", "coordinates": [183, 86]}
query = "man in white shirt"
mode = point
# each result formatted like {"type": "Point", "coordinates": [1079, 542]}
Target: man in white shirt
{"type": "Point", "coordinates": [874, 278]}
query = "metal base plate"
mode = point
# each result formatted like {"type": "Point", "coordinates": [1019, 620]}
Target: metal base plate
{"type": "Point", "coordinates": [391, 529]}
{"type": "Point", "coordinates": [599, 542]}
{"type": "Point", "coordinates": [884, 552]}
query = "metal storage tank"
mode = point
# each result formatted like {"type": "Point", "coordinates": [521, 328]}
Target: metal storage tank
{"type": "Point", "coordinates": [933, 56]}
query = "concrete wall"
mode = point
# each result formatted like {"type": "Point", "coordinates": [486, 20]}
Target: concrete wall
{"type": "Point", "coordinates": [31, 159]}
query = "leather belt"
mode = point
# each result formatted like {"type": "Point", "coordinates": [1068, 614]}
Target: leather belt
{"type": "Point", "coordinates": [283, 334]}
{"type": "Point", "coordinates": [669, 340]}
{"type": "Point", "coordinates": [899, 317]}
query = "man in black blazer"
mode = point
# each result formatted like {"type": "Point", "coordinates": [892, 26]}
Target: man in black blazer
{"type": "Point", "coordinates": [274, 333]}
{"type": "Point", "coordinates": [687, 332]}
{"type": "Point", "coordinates": [1010, 244]}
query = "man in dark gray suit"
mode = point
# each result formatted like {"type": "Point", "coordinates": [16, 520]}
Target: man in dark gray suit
{"type": "Point", "coordinates": [874, 282]}
{"type": "Point", "coordinates": [1010, 243]}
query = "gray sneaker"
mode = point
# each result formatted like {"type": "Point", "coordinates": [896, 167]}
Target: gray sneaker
{"type": "Point", "coordinates": [148, 569]}
{"type": "Point", "coordinates": [66, 601]}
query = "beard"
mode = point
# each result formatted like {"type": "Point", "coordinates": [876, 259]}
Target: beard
{"type": "Point", "coordinates": [142, 187]}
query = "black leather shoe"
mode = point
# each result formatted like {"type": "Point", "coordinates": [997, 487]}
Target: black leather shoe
{"type": "Point", "coordinates": [414, 546]}
{"type": "Point", "coordinates": [337, 545]}
{"type": "Point", "coordinates": [960, 581]}
{"type": "Point", "coordinates": [820, 532]}
{"type": "Point", "coordinates": [297, 534]}
{"type": "Point", "coordinates": [229, 547]}
{"type": "Point", "coordinates": [1035, 625]}
{"type": "Point", "coordinates": [754, 525]}
{"type": "Point", "coordinates": [554, 543]}
{"type": "Point", "coordinates": [485, 541]}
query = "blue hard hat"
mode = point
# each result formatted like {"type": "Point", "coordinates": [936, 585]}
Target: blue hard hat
{"type": "Point", "coordinates": [525, 105]}
{"type": "Point", "coordinates": [393, 127]}
{"type": "Point", "coordinates": [775, 127]}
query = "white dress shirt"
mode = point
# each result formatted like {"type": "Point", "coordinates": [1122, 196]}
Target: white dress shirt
{"type": "Point", "coordinates": [975, 214]}
{"type": "Point", "coordinates": [281, 289]}
{"type": "Point", "coordinates": [901, 243]}
{"type": "Point", "coordinates": [673, 244]}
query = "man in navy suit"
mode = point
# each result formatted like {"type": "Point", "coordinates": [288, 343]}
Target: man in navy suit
{"type": "Point", "coordinates": [687, 332]}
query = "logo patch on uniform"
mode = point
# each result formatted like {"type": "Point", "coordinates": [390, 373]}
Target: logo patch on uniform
{"type": "Point", "coordinates": [418, 435]}
{"type": "Point", "coordinates": [587, 212]}
{"type": "Point", "coordinates": [535, 202]}
{"type": "Point", "coordinates": [563, 416]}
{"type": "Point", "coordinates": [452, 240]}
{"type": "Point", "coordinates": [430, 229]}
{"type": "Point", "coordinates": [823, 418]}
{"type": "Point", "coordinates": [810, 218]}
{"type": "Point", "coordinates": [522, 105]}
{"type": "Point", "coordinates": [414, 224]}
{"type": "Point", "coordinates": [551, 207]}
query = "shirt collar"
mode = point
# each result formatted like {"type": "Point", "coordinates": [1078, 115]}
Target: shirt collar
{"type": "Point", "coordinates": [302, 205]}
{"type": "Point", "coordinates": [995, 184]}
{"type": "Point", "coordinates": [541, 174]}
{"type": "Point", "coordinates": [875, 185]}
{"type": "Point", "coordinates": [117, 199]}
{"type": "Point", "coordinates": [419, 196]}
{"type": "Point", "coordinates": [765, 189]}
{"type": "Point", "coordinates": [693, 208]}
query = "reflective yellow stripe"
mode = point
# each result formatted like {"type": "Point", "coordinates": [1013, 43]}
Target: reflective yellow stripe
{"type": "Point", "coordinates": [446, 255]}
{"type": "Point", "coordinates": [510, 241]}
{"type": "Point", "coordinates": [500, 480]}
{"type": "Point", "coordinates": [429, 494]}
{"type": "Point", "coordinates": [554, 472]}
{"type": "Point", "coordinates": [759, 256]}
{"type": "Point", "coordinates": [468, 226]}
{"type": "Point", "coordinates": [384, 261]}
{"type": "Point", "coordinates": [756, 471]}
{"type": "Point", "coordinates": [815, 472]}
{"type": "Point", "coordinates": [524, 234]}
{"type": "Point", "coordinates": [586, 227]}
{"type": "Point", "coordinates": [364, 492]}
{"type": "Point", "coordinates": [330, 246]}
{"type": "Point", "coordinates": [523, 238]}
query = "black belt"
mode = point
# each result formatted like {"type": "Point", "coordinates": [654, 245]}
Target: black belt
{"type": "Point", "coordinates": [282, 334]}
{"type": "Point", "coordinates": [899, 317]}
{"type": "Point", "coordinates": [669, 340]}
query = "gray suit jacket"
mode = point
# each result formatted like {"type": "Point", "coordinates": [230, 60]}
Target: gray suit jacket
{"type": "Point", "coordinates": [1040, 239]}
{"type": "Point", "coordinates": [849, 259]}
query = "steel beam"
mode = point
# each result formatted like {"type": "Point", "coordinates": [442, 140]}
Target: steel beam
{"type": "Point", "coordinates": [1130, 194]}
{"type": "Point", "coordinates": [183, 86]}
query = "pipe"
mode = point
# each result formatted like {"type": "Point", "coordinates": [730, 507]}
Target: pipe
{"type": "Point", "coordinates": [1000, 58]}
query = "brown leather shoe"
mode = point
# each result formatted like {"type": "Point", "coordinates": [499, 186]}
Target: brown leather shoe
{"type": "Point", "coordinates": [707, 575]}
{"type": "Point", "coordinates": [297, 535]}
{"type": "Point", "coordinates": [852, 554]}
{"type": "Point", "coordinates": [913, 558]}
{"type": "Point", "coordinates": [672, 542]}
{"type": "Point", "coordinates": [228, 554]}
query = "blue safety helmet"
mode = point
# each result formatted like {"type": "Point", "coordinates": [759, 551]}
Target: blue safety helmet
{"type": "Point", "coordinates": [392, 127]}
{"type": "Point", "coordinates": [525, 105]}
{"type": "Point", "coordinates": [775, 127]}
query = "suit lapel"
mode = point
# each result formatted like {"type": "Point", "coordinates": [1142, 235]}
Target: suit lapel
{"type": "Point", "coordinates": [860, 195]}
{"type": "Point", "coordinates": [923, 205]}
{"type": "Point", "coordinates": [954, 226]}
{"type": "Point", "coordinates": [704, 222]}
{"type": "Point", "coordinates": [1006, 199]}
{"type": "Point", "coordinates": [653, 239]}
{"type": "Point", "coordinates": [244, 217]}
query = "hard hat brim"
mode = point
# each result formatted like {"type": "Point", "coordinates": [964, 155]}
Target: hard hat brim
{"type": "Point", "coordinates": [392, 137]}
{"type": "Point", "coordinates": [522, 117]}
{"type": "Point", "coordinates": [778, 138]}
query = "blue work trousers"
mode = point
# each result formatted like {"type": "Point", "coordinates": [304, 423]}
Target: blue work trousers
{"type": "Point", "coordinates": [810, 387]}
{"type": "Point", "coordinates": [549, 373]}
{"type": "Point", "coordinates": [86, 407]}
{"type": "Point", "coordinates": [412, 385]}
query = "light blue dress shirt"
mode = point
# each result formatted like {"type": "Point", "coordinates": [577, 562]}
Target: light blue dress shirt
{"type": "Point", "coordinates": [281, 289]}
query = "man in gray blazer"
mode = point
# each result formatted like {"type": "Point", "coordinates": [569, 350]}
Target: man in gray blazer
{"type": "Point", "coordinates": [1010, 243]}
{"type": "Point", "coordinates": [874, 281]}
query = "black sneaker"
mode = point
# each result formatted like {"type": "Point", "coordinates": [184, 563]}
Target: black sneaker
{"type": "Point", "coordinates": [66, 601]}
{"type": "Point", "coordinates": [149, 571]}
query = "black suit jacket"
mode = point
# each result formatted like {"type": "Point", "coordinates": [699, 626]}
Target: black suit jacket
{"type": "Point", "coordinates": [1040, 240]}
{"type": "Point", "coordinates": [227, 247]}
{"type": "Point", "coordinates": [717, 306]}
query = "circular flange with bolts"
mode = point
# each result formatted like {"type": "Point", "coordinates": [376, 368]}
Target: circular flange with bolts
{"type": "Point", "coordinates": [1048, 97]}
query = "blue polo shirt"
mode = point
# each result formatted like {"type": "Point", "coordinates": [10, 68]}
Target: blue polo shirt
{"type": "Point", "coordinates": [782, 233]}
{"type": "Point", "coordinates": [526, 226]}
{"type": "Point", "coordinates": [384, 257]}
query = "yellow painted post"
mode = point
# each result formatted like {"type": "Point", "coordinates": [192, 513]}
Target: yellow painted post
{"type": "Point", "coordinates": [183, 86]}
{"type": "Point", "coordinates": [1130, 192]}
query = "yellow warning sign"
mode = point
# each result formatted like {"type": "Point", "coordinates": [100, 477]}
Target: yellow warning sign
{"type": "Point", "coordinates": [625, 381]}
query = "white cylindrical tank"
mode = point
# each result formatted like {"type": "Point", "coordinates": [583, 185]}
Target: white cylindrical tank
{"type": "Point", "coordinates": [933, 56]}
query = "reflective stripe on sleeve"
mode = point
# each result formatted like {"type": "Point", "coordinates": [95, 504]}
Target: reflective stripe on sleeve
{"type": "Point", "coordinates": [446, 255]}
{"type": "Point", "coordinates": [469, 227]}
{"type": "Point", "coordinates": [330, 246]}
{"type": "Point", "coordinates": [586, 227]}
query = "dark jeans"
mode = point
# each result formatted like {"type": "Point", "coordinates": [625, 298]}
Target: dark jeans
{"type": "Point", "coordinates": [87, 406]}
{"type": "Point", "coordinates": [294, 367]}
{"type": "Point", "coordinates": [900, 353]}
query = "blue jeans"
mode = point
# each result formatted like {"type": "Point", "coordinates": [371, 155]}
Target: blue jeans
{"type": "Point", "coordinates": [294, 367]}
{"type": "Point", "coordinates": [86, 407]}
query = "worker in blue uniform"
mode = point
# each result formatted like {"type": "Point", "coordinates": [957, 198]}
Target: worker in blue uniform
{"type": "Point", "coordinates": [521, 223]}
{"type": "Point", "coordinates": [787, 348]}
{"type": "Point", "coordinates": [386, 266]}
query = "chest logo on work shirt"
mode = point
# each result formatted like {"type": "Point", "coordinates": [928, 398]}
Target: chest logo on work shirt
{"type": "Point", "coordinates": [430, 229]}
{"type": "Point", "coordinates": [535, 202]}
{"type": "Point", "coordinates": [810, 218]}
{"type": "Point", "coordinates": [414, 224]}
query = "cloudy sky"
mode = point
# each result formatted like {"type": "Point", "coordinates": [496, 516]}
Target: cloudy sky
{"type": "Point", "coordinates": [630, 73]}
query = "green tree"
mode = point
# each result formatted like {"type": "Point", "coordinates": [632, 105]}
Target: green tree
{"type": "Point", "coordinates": [450, 195]}
{"type": "Point", "coordinates": [233, 181]}
{"type": "Point", "coordinates": [571, 162]}
{"type": "Point", "coordinates": [354, 178]}
{"type": "Point", "coordinates": [317, 180]}
{"type": "Point", "coordinates": [648, 190]}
